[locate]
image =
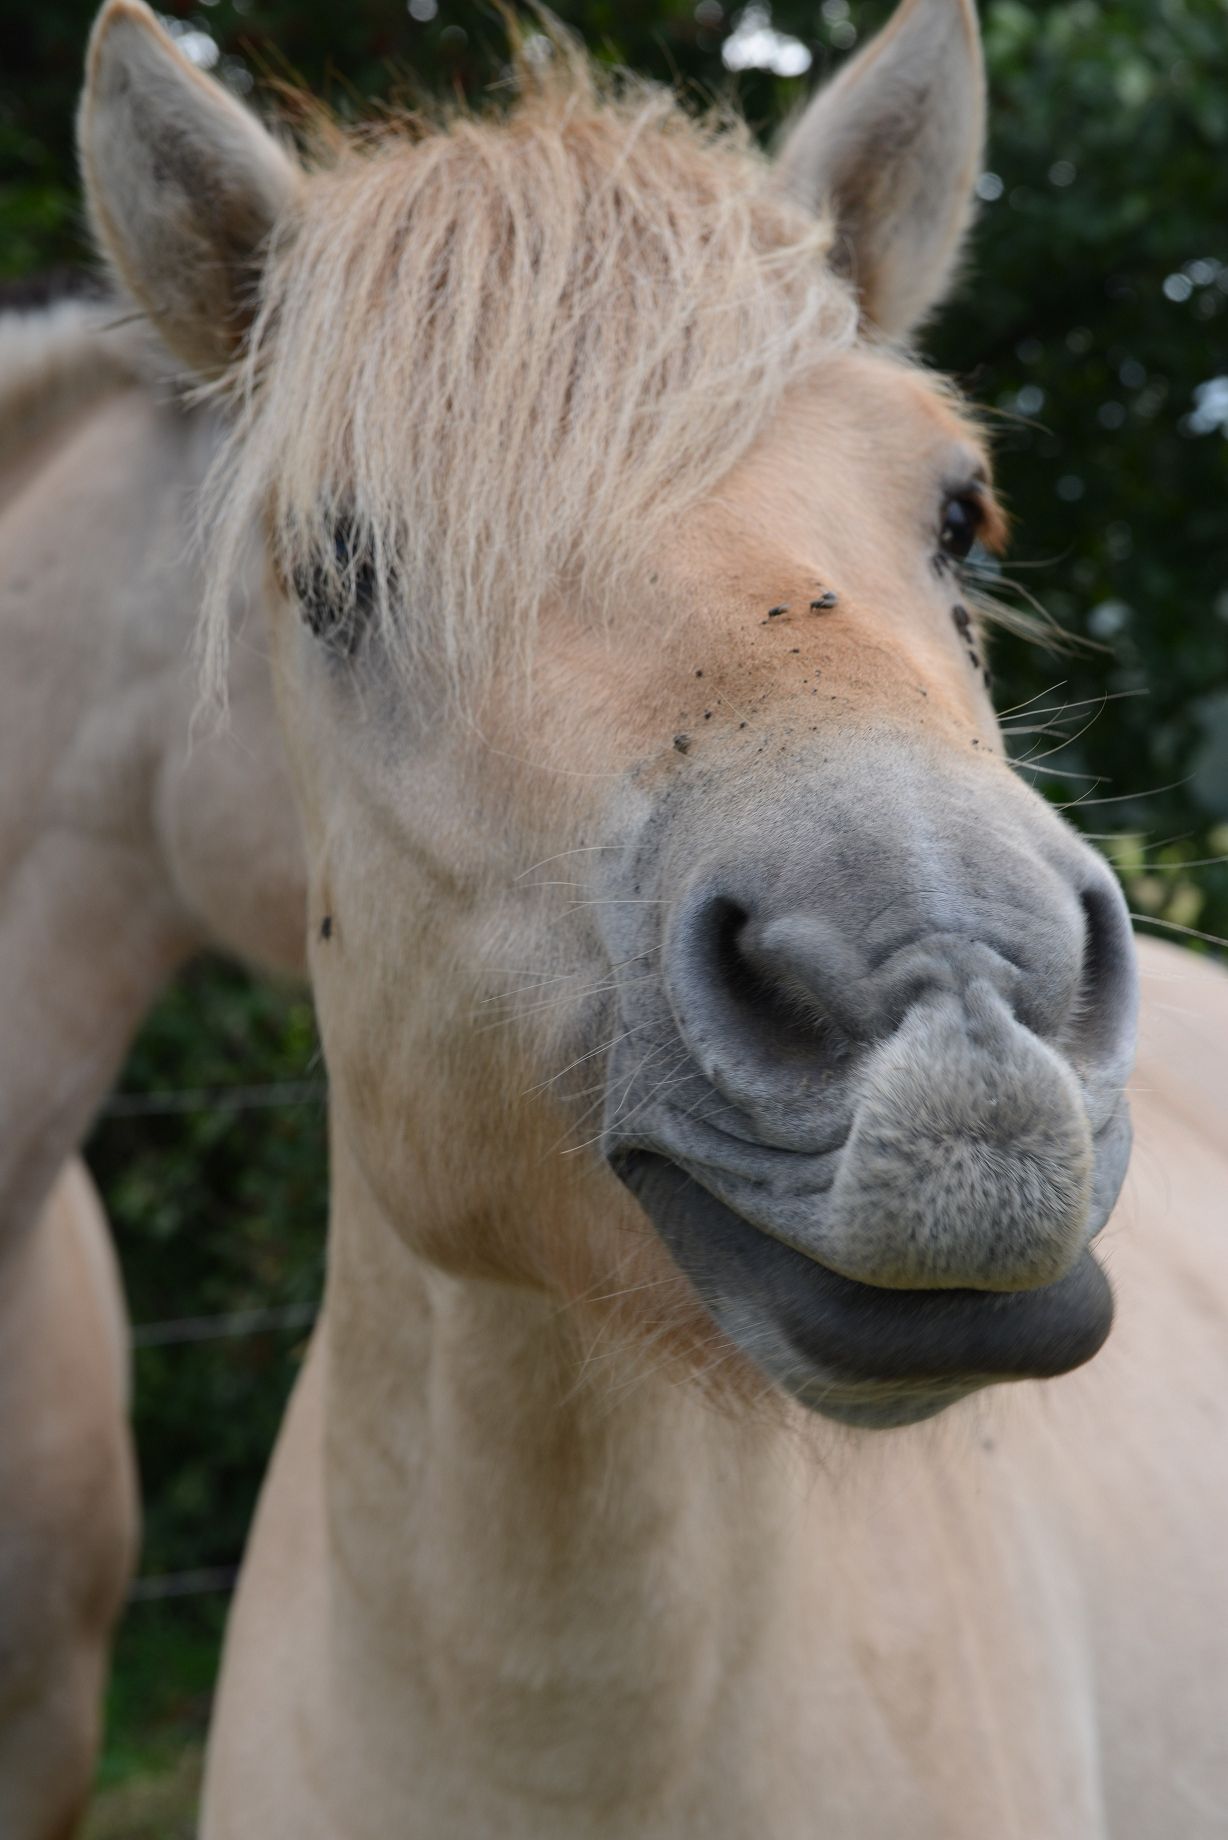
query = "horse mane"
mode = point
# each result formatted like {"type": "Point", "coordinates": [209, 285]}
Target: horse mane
{"type": "Point", "coordinates": [502, 352]}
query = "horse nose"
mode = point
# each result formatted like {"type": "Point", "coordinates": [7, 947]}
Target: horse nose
{"type": "Point", "coordinates": [954, 1057]}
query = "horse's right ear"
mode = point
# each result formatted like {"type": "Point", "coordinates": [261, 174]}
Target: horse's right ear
{"type": "Point", "coordinates": [184, 186]}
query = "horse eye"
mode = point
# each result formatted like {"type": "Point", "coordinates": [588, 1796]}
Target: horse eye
{"type": "Point", "coordinates": [962, 518]}
{"type": "Point", "coordinates": [336, 599]}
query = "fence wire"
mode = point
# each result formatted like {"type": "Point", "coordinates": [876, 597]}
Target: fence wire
{"type": "Point", "coordinates": [208, 1581]}
{"type": "Point", "coordinates": [214, 1099]}
{"type": "Point", "coordinates": [217, 1328]}
{"type": "Point", "coordinates": [211, 1580]}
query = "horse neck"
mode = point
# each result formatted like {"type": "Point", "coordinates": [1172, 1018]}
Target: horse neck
{"type": "Point", "coordinates": [563, 1556]}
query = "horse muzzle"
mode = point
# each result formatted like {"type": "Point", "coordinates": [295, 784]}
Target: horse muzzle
{"type": "Point", "coordinates": [893, 1117]}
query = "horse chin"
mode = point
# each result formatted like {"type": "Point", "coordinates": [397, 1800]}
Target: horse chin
{"type": "Point", "coordinates": [862, 1355]}
{"type": "Point", "coordinates": [888, 1412]}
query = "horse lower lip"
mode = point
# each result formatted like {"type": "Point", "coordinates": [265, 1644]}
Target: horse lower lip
{"type": "Point", "coordinates": [857, 1332]}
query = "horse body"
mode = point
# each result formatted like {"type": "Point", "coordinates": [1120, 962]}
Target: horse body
{"type": "Point", "coordinates": [618, 643]}
{"type": "Point", "coordinates": [125, 846]}
{"type": "Point", "coordinates": [124, 849]}
{"type": "Point", "coordinates": [69, 1529]}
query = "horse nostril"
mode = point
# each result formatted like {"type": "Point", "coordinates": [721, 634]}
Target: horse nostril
{"type": "Point", "coordinates": [752, 1015]}
{"type": "Point", "coordinates": [725, 922]}
{"type": "Point", "coordinates": [1104, 1009]}
{"type": "Point", "coordinates": [777, 1007]}
{"type": "Point", "coordinates": [750, 992]}
{"type": "Point", "coordinates": [766, 989]}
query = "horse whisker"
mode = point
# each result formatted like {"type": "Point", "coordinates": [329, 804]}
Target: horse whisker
{"type": "Point", "coordinates": [1120, 798]}
{"type": "Point", "coordinates": [1173, 926]}
{"type": "Point", "coordinates": [1003, 713]}
{"type": "Point", "coordinates": [579, 849]}
{"type": "Point", "coordinates": [1060, 772]}
{"type": "Point", "coordinates": [603, 1048]}
{"type": "Point", "coordinates": [1199, 862]}
{"type": "Point", "coordinates": [558, 977]}
{"type": "Point", "coordinates": [1070, 740]}
{"type": "Point", "coordinates": [1108, 696]}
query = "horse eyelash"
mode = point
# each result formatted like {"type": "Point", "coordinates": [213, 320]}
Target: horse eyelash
{"type": "Point", "coordinates": [336, 600]}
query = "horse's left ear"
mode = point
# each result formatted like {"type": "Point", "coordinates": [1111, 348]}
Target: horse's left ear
{"type": "Point", "coordinates": [893, 146]}
{"type": "Point", "coordinates": [184, 186]}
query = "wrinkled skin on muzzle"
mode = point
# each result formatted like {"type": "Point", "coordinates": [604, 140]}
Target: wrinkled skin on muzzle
{"type": "Point", "coordinates": [871, 1089]}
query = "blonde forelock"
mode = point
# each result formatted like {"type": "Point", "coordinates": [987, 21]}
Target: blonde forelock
{"type": "Point", "coordinates": [506, 353]}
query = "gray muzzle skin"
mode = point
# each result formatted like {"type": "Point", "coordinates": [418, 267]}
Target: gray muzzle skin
{"type": "Point", "coordinates": [872, 1097]}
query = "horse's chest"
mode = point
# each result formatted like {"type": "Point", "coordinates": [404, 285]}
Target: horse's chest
{"type": "Point", "coordinates": [941, 1679]}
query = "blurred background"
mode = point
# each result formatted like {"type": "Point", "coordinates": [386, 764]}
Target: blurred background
{"type": "Point", "coordinates": [1093, 328]}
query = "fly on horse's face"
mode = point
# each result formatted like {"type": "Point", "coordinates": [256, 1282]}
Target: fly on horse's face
{"type": "Point", "coordinates": [621, 646]}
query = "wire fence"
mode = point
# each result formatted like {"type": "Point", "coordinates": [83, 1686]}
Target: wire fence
{"type": "Point", "coordinates": [214, 1099]}
{"type": "Point", "coordinates": [218, 1099]}
{"type": "Point", "coordinates": [209, 1581]}
{"type": "Point", "coordinates": [176, 1331]}
{"type": "Point", "coordinates": [218, 1328]}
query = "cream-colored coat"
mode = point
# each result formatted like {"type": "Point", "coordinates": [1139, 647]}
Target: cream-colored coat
{"type": "Point", "coordinates": [124, 848]}
{"type": "Point", "coordinates": [68, 1513]}
{"type": "Point", "coordinates": [125, 845]}
{"type": "Point", "coordinates": [481, 1601]}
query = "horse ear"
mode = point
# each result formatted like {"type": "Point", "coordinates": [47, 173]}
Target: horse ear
{"type": "Point", "coordinates": [893, 146]}
{"type": "Point", "coordinates": [184, 185]}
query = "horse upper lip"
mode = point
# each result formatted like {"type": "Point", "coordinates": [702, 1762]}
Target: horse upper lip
{"type": "Point", "coordinates": [762, 1182]}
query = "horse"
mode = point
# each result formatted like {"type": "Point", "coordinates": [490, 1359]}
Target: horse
{"type": "Point", "coordinates": [65, 1461]}
{"type": "Point", "coordinates": [125, 847]}
{"type": "Point", "coordinates": [717, 1423]}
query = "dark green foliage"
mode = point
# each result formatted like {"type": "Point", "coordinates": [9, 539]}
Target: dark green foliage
{"type": "Point", "coordinates": [216, 1210]}
{"type": "Point", "coordinates": [1097, 309]}
{"type": "Point", "coordinates": [1094, 313]}
{"type": "Point", "coordinates": [163, 1682]}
